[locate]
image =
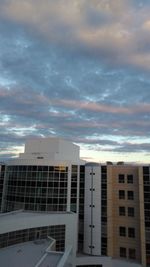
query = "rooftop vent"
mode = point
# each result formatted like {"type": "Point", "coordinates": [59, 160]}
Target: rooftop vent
{"type": "Point", "coordinates": [120, 163]}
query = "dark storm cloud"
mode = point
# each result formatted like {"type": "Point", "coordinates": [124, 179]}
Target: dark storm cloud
{"type": "Point", "coordinates": [79, 72]}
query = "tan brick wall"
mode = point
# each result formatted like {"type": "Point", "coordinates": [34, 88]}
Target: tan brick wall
{"type": "Point", "coordinates": [115, 241]}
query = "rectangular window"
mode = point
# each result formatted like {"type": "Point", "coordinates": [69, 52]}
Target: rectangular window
{"type": "Point", "coordinates": [130, 195]}
{"type": "Point", "coordinates": [121, 194]}
{"type": "Point", "coordinates": [130, 179]}
{"type": "Point", "coordinates": [123, 253]}
{"type": "Point", "coordinates": [146, 170]}
{"type": "Point", "coordinates": [121, 178]}
{"type": "Point", "coordinates": [132, 253]}
{"type": "Point", "coordinates": [122, 211]}
{"type": "Point", "coordinates": [131, 232]}
{"type": "Point", "coordinates": [130, 211]}
{"type": "Point", "coordinates": [122, 231]}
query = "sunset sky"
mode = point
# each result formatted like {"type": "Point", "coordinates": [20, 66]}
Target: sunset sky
{"type": "Point", "coordinates": [79, 70]}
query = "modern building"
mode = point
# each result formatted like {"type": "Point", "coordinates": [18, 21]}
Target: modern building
{"type": "Point", "coordinates": [2, 173]}
{"type": "Point", "coordinates": [84, 214]}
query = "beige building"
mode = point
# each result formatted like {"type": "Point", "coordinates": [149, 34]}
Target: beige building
{"type": "Point", "coordinates": [128, 213]}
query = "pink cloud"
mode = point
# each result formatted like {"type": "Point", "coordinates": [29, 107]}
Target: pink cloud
{"type": "Point", "coordinates": [98, 107]}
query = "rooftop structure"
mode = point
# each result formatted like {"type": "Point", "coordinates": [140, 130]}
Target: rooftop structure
{"type": "Point", "coordinates": [55, 149]}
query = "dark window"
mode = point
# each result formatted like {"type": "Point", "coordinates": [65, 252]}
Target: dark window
{"type": "Point", "coordinates": [146, 188]}
{"type": "Point", "coordinates": [123, 252]}
{"type": "Point", "coordinates": [132, 253]}
{"type": "Point", "coordinates": [147, 248]}
{"type": "Point", "coordinates": [146, 170]}
{"type": "Point", "coordinates": [121, 194]}
{"type": "Point", "coordinates": [121, 178]}
{"type": "Point", "coordinates": [82, 168]}
{"type": "Point", "coordinates": [122, 211]}
{"type": "Point", "coordinates": [131, 232]}
{"type": "Point", "coordinates": [122, 231]}
{"type": "Point", "coordinates": [104, 219]}
{"type": "Point", "coordinates": [74, 168]}
{"type": "Point", "coordinates": [130, 195]}
{"type": "Point", "coordinates": [130, 179]}
{"type": "Point", "coordinates": [130, 211]}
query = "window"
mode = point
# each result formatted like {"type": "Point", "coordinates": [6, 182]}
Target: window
{"type": "Point", "coordinates": [130, 195]}
{"type": "Point", "coordinates": [146, 170]}
{"type": "Point", "coordinates": [121, 178]}
{"type": "Point", "coordinates": [122, 211]}
{"type": "Point", "coordinates": [123, 252]}
{"type": "Point", "coordinates": [132, 253]}
{"type": "Point", "coordinates": [130, 211]}
{"type": "Point", "coordinates": [122, 231]}
{"type": "Point", "coordinates": [121, 194]}
{"type": "Point", "coordinates": [131, 232]}
{"type": "Point", "coordinates": [130, 179]}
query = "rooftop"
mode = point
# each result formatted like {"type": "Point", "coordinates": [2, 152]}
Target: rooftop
{"type": "Point", "coordinates": [29, 254]}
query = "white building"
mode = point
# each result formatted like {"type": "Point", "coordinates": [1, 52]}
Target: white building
{"type": "Point", "coordinates": [60, 199]}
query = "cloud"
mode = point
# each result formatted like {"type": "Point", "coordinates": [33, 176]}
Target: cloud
{"type": "Point", "coordinates": [131, 147]}
{"type": "Point", "coordinates": [79, 72]}
{"type": "Point", "coordinates": [99, 107]}
{"type": "Point", "coordinates": [108, 29]}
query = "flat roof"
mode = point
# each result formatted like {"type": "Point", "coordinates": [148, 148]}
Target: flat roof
{"type": "Point", "coordinates": [25, 214]}
{"type": "Point", "coordinates": [51, 259]}
{"type": "Point", "coordinates": [28, 254]}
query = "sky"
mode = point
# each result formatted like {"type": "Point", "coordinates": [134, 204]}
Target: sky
{"type": "Point", "coordinates": [78, 70]}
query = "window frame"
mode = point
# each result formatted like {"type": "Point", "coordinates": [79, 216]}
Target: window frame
{"type": "Point", "coordinates": [131, 212]}
{"type": "Point", "coordinates": [123, 252]}
{"type": "Point", "coordinates": [130, 196]}
{"type": "Point", "coordinates": [122, 231]}
{"type": "Point", "coordinates": [121, 196]}
{"type": "Point", "coordinates": [121, 178]}
{"type": "Point", "coordinates": [130, 178]}
{"type": "Point", "coordinates": [131, 232]}
{"type": "Point", "coordinates": [122, 211]}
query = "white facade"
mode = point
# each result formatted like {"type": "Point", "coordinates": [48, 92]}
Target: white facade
{"type": "Point", "coordinates": [92, 209]}
{"type": "Point", "coordinates": [50, 148]}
